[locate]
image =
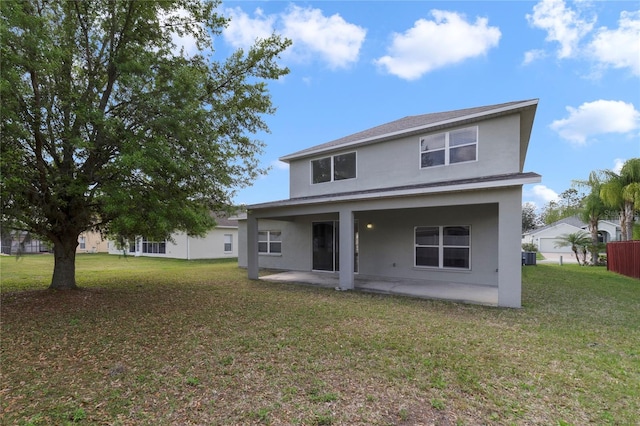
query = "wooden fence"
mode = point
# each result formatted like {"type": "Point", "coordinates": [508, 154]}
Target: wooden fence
{"type": "Point", "coordinates": [623, 257]}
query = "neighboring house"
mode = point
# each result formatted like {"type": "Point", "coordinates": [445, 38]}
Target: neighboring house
{"type": "Point", "coordinates": [220, 242]}
{"type": "Point", "coordinates": [91, 242]}
{"type": "Point", "coordinates": [22, 242]}
{"type": "Point", "coordinates": [433, 197]}
{"type": "Point", "coordinates": [548, 237]}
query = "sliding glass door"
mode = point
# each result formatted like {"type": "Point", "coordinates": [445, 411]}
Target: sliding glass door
{"type": "Point", "coordinates": [326, 246]}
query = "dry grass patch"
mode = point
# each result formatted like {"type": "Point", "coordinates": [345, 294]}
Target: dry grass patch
{"type": "Point", "coordinates": [154, 341]}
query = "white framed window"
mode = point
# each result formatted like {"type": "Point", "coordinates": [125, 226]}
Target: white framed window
{"type": "Point", "coordinates": [270, 242]}
{"type": "Point", "coordinates": [228, 243]}
{"type": "Point", "coordinates": [445, 247]}
{"type": "Point", "coordinates": [455, 146]}
{"type": "Point", "coordinates": [82, 242]}
{"type": "Point", "coordinates": [333, 168]}
{"type": "Point", "coordinates": [155, 247]}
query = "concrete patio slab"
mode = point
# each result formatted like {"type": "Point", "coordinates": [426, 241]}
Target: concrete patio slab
{"type": "Point", "coordinates": [467, 293]}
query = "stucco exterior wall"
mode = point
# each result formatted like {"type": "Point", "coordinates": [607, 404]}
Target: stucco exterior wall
{"type": "Point", "coordinates": [184, 247]}
{"type": "Point", "coordinates": [296, 245]}
{"type": "Point", "coordinates": [395, 163]}
{"type": "Point", "coordinates": [93, 243]}
{"type": "Point", "coordinates": [391, 240]}
{"type": "Point", "coordinates": [387, 249]}
{"type": "Point", "coordinates": [212, 246]}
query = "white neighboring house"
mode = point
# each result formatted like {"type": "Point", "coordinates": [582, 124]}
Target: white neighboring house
{"type": "Point", "coordinates": [433, 197]}
{"type": "Point", "coordinates": [547, 238]}
{"type": "Point", "coordinates": [219, 243]}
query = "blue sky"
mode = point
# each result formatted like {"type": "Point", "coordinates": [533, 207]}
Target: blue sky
{"type": "Point", "coordinates": [358, 64]}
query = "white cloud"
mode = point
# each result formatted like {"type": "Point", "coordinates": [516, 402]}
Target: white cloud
{"type": "Point", "coordinates": [335, 40]}
{"type": "Point", "coordinates": [617, 165]}
{"type": "Point", "coordinates": [183, 43]}
{"type": "Point", "coordinates": [243, 31]}
{"type": "Point", "coordinates": [279, 165]}
{"type": "Point", "coordinates": [533, 55]}
{"type": "Point", "coordinates": [562, 24]}
{"type": "Point", "coordinates": [540, 195]}
{"type": "Point", "coordinates": [619, 48]}
{"type": "Point", "coordinates": [428, 45]}
{"type": "Point", "coordinates": [598, 117]}
{"type": "Point", "coordinates": [315, 36]}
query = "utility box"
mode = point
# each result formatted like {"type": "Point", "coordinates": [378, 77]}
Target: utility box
{"type": "Point", "coordinates": [529, 258]}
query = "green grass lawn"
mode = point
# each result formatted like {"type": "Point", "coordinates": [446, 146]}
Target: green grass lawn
{"type": "Point", "coordinates": [155, 341]}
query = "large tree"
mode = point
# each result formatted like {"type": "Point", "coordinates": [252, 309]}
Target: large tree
{"type": "Point", "coordinates": [593, 210]}
{"type": "Point", "coordinates": [567, 205]}
{"type": "Point", "coordinates": [530, 219]}
{"type": "Point", "coordinates": [108, 125]}
{"type": "Point", "coordinates": [622, 192]}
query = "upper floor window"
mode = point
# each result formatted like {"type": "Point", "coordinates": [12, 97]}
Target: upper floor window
{"type": "Point", "coordinates": [336, 167]}
{"type": "Point", "coordinates": [456, 146]}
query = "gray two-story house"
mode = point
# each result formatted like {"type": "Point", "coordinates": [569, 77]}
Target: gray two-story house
{"type": "Point", "coordinates": [432, 199]}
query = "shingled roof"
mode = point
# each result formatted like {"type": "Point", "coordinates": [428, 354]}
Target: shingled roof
{"type": "Point", "coordinates": [413, 124]}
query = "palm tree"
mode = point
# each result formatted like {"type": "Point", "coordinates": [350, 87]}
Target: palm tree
{"type": "Point", "coordinates": [578, 241]}
{"type": "Point", "coordinates": [593, 209]}
{"type": "Point", "coordinates": [622, 191]}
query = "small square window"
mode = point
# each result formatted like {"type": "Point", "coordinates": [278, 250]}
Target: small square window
{"type": "Point", "coordinates": [463, 136]}
{"type": "Point", "coordinates": [431, 142]}
{"type": "Point", "coordinates": [427, 256]}
{"type": "Point", "coordinates": [462, 154]}
{"type": "Point", "coordinates": [433, 158]}
{"type": "Point", "coordinates": [427, 235]}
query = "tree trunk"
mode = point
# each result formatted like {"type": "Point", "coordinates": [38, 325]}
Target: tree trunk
{"type": "Point", "coordinates": [628, 218]}
{"type": "Point", "coordinates": [623, 224]}
{"type": "Point", "coordinates": [593, 227]}
{"type": "Point", "coordinates": [64, 269]}
{"type": "Point", "coordinates": [575, 251]}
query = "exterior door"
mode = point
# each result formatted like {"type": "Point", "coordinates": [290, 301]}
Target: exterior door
{"type": "Point", "coordinates": [326, 246]}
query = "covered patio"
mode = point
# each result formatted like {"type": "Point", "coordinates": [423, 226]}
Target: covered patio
{"type": "Point", "coordinates": [428, 289]}
{"type": "Point", "coordinates": [373, 236]}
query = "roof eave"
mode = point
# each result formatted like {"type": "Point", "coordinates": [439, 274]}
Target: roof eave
{"type": "Point", "coordinates": [523, 179]}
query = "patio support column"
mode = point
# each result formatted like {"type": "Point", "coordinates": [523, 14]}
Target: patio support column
{"type": "Point", "coordinates": [346, 249]}
{"type": "Point", "coordinates": [252, 246]}
{"type": "Point", "coordinates": [509, 249]}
